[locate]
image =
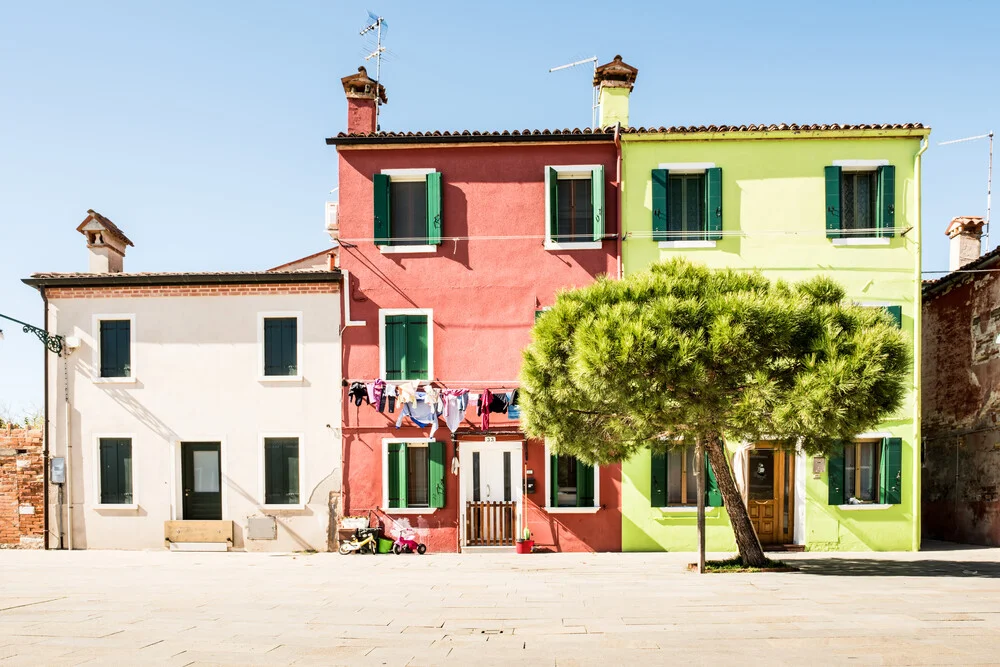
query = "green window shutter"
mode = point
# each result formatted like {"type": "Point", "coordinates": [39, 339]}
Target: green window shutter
{"type": "Point", "coordinates": [897, 314]}
{"type": "Point", "coordinates": [885, 210]}
{"type": "Point", "coordinates": [434, 208]}
{"type": "Point", "coordinates": [395, 346]}
{"type": "Point", "coordinates": [116, 348]}
{"type": "Point", "coordinates": [832, 177]}
{"type": "Point", "coordinates": [281, 471]}
{"type": "Point", "coordinates": [658, 480]}
{"type": "Point", "coordinates": [597, 194]}
{"type": "Point", "coordinates": [835, 479]}
{"type": "Point", "coordinates": [415, 361]}
{"type": "Point", "coordinates": [397, 474]}
{"type": "Point", "coordinates": [713, 495]}
{"type": "Point", "coordinates": [436, 477]}
{"type": "Point", "coordinates": [553, 480]}
{"type": "Point", "coordinates": [116, 471]}
{"type": "Point", "coordinates": [280, 346]}
{"type": "Point", "coordinates": [381, 209]}
{"type": "Point", "coordinates": [289, 345]}
{"type": "Point", "coordinates": [660, 204]}
{"type": "Point", "coordinates": [584, 484]}
{"type": "Point", "coordinates": [713, 206]}
{"type": "Point", "coordinates": [552, 215]}
{"type": "Point", "coordinates": [891, 471]}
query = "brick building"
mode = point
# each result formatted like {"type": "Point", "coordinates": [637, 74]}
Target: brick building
{"type": "Point", "coordinates": [22, 489]}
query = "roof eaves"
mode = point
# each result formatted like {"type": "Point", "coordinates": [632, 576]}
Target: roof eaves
{"type": "Point", "coordinates": [935, 288]}
{"type": "Point", "coordinates": [39, 280]}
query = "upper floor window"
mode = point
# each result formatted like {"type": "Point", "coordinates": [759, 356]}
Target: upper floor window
{"type": "Point", "coordinates": [281, 346]}
{"type": "Point", "coordinates": [406, 344]}
{"type": "Point", "coordinates": [868, 471]}
{"type": "Point", "coordinates": [687, 203]}
{"type": "Point", "coordinates": [860, 200]}
{"type": "Point", "coordinates": [575, 206]}
{"type": "Point", "coordinates": [116, 348]}
{"type": "Point", "coordinates": [407, 209]}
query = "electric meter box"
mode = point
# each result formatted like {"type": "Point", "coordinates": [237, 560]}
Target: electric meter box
{"type": "Point", "coordinates": [57, 470]}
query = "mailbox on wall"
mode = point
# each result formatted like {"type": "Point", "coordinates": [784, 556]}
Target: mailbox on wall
{"type": "Point", "coordinates": [530, 485]}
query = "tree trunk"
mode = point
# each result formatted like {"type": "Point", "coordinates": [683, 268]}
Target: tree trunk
{"type": "Point", "coordinates": [699, 458]}
{"type": "Point", "coordinates": [746, 539]}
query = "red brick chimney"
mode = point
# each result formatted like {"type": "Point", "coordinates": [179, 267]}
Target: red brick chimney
{"type": "Point", "coordinates": [363, 94]}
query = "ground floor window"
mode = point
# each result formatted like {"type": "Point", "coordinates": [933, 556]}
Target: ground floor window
{"type": "Point", "coordinates": [674, 481]}
{"type": "Point", "coordinates": [866, 471]}
{"type": "Point", "coordinates": [572, 483]}
{"type": "Point", "coordinates": [281, 471]}
{"type": "Point", "coordinates": [414, 473]}
{"type": "Point", "coordinates": [116, 471]}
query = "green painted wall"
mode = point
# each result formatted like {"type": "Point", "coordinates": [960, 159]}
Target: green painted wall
{"type": "Point", "coordinates": [774, 220]}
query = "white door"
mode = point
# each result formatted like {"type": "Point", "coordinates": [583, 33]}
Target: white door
{"type": "Point", "coordinates": [491, 473]}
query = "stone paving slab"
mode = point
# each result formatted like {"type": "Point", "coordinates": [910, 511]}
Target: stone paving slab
{"type": "Point", "coordinates": [161, 608]}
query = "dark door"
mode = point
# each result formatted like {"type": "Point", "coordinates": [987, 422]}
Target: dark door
{"type": "Point", "coordinates": [201, 476]}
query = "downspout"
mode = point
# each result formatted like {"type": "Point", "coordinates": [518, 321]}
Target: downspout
{"type": "Point", "coordinates": [45, 428]}
{"type": "Point", "coordinates": [348, 322]}
{"type": "Point", "coordinates": [917, 345]}
{"type": "Point", "coordinates": [69, 453]}
{"type": "Point", "coordinates": [618, 193]}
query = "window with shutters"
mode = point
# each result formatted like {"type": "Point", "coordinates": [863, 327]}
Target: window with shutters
{"type": "Point", "coordinates": [575, 212]}
{"type": "Point", "coordinates": [867, 471]}
{"type": "Point", "coordinates": [687, 205]}
{"type": "Point", "coordinates": [282, 470]}
{"type": "Point", "coordinates": [407, 210]}
{"type": "Point", "coordinates": [860, 201]}
{"type": "Point", "coordinates": [674, 481]}
{"type": "Point", "coordinates": [406, 343]}
{"type": "Point", "coordinates": [115, 470]}
{"type": "Point", "coordinates": [573, 486]}
{"type": "Point", "coordinates": [113, 349]}
{"type": "Point", "coordinates": [280, 346]}
{"type": "Point", "coordinates": [413, 474]}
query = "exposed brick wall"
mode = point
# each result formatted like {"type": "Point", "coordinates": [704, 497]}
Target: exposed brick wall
{"type": "Point", "coordinates": [133, 291]}
{"type": "Point", "coordinates": [22, 481]}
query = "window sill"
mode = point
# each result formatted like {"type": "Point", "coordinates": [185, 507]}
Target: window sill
{"type": "Point", "coordinates": [666, 245]}
{"type": "Point", "coordinates": [103, 380]}
{"type": "Point", "coordinates": [863, 506]}
{"type": "Point", "coordinates": [409, 510]}
{"type": "Point", "coordinates": [293, 379]}
{"type": "Point", "coordinates": [862, 241]}
{"type": "Point", "coordinates": [576, 245]}
{"type": "Point", "coordinates": [130, 506]}
{"type": "Point", "coordinates": [278, 508]}
{"type": "Point", "coordinates": [572, 510]}
{"type": "Point", "coordinates": [406, 249]}
{"type": "Point", "coordinates": [685, 509]}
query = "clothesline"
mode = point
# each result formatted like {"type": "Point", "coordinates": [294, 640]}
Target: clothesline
{"type": "Point", "coordinates": [454, 382]}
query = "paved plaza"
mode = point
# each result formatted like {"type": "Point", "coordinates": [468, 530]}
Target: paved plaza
{"type": "Point", "coordinates": [111, 607]}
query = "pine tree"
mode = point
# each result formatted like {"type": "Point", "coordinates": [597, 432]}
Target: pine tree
{"type": "Point", "coordinates": [682, 355]}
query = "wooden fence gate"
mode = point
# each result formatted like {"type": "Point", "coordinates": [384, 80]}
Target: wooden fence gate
{"type": "Point", "coordinates": [490, 524]}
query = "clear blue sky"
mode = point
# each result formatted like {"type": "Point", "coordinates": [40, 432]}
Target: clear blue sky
{"type": "Point", "coordinates": [198, 127]}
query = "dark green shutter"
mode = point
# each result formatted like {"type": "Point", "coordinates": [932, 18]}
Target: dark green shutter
{"type": "Point", "coordinates": [658, 480]}
{"type": "Point", "coordinates": [891, 471]}
{"type": "Point", "coordinates": [885, 210]}
{"type": "Point", "coordinates": [381, 209]}
{"type": "Point", "coordinates": [597, 195]}
{"type": "Point", "coordinates": [434, 208]}
{"type": "Point", "coordinates": [660, 204]}
{"type": "Point", "coordinates": [116, 348]}
{"type": "Point", "coordinates": [713, 206]}
{"type": "Point", "coordinates": [415, 361]}
{"type": "Point", "coordinates": [397, 474]}
{"type": "Point", "coordinates": [584, 484]}
{"type": "Point", "coordinates": [835, 479]}
{"type": "Point", "coordinates": [833, 206]}
{"type": "Point", "coordinates": [116, 471]}
{"type": "Point", "coordinates": [435, 476]}
{"type": "Point", "coordinates": [713, 495]}
{"type": "Point", "coordinates": [289, 345]}
{"type": "Point", "coordinates": [552, 215]}
{"type": "Point", "coordinates": [281, 471]}
{"type": "Point", "coordinates": [553, 481]}
{"type": "Point", "coordinates": [897, 314]}
{"type": "Point", "coordinates": [395, 346]}
{"type": "Point", "coordinates": [280, 346]}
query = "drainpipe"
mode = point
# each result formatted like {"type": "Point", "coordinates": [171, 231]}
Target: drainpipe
{"type": "Point", "coordinates": [45, 429]}
{"type": "Point", "coordinates": [348, 322]}
{"type": "Point", "coordinates": [69, 453]}
{"type": "Point", "coordinates": [618, 197]}
{"type": "Point", "coordinates": [918, 319]}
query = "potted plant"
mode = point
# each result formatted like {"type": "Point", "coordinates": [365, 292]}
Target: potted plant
{"type": "Point", "coordinates": [525, 544]}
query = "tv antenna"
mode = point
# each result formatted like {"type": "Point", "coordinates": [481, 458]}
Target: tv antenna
{"type": "Point", "coordinates": [989, 178]}
{"type": "Point", "coordinates": [379, 26]}
{"type": "Point", "coordinates": [595, 104]}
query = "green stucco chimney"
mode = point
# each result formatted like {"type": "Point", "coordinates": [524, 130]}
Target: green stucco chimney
{"type": "Point", "coordinates": [614, 81]}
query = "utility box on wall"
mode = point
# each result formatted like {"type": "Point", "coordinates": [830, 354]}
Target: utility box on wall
{"type": "Point", "coordinates": [262, 528]}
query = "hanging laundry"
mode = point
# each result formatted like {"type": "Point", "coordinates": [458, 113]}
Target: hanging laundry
{"type": "Point", "coordinates": [499, 403]}
{"type": "Point", "coordinates": [434, 397]}
{"type": "Point", "coordinates": [407, 392]}
{"type": "Point", "coordinates": [420, 413]}
{"type": "Point", "coordinates": [514, 397]}
{"type": "Point", "coordinates": [483, 408]}
{"type": "Point", "coordinates": [358, 392]}
{"type": "Point", "coordinates": [455, 403]}
{"type": "Point", "coordinates": [377, 394]}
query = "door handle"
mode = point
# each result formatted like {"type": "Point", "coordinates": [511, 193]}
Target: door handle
{"type": "Point", "coordinates": [488, 494]}
{"type": "Point", "coordinates": [187, 492]}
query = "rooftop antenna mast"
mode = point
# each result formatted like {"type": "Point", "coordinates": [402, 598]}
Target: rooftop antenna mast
{"type": "Point", "coordinates": [596, 100]}
{"type": "Point", "coordinates": [378, 25]}
{"type": "Point", "coordinates": [989, 179]}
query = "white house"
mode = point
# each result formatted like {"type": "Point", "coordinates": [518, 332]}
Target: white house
{"type": "Point", "coordinates": [203, 408]}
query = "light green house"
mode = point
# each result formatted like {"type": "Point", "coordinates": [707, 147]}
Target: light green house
{"type": "Point", "coordinates": [794, 202]}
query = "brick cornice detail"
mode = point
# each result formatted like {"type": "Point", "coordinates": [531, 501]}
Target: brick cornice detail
{"type": "Point", "coordinates": [140, 291]}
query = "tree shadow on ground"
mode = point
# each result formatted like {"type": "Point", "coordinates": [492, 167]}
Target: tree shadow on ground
{"type": "Point", "coordinates": [862, 567]}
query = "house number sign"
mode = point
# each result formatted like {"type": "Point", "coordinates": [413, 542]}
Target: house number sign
{"type": "Point", "coordinates": [489, 438]}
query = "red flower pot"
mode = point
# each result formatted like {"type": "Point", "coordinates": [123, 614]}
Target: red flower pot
{"type": "Point", "coordinates": [525, 546]}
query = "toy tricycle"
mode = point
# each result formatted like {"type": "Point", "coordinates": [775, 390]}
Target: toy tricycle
{"type": "Point", "coordinates": [406, 542]}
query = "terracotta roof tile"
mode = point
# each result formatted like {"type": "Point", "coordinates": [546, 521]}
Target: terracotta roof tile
{"type": "Point", "coordinates": [164, 274]}
{"type": "Point", "coordinates": [110, 226]}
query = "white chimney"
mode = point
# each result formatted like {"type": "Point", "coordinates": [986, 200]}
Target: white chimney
{"type": "Point", "coordinates": [106, 243]}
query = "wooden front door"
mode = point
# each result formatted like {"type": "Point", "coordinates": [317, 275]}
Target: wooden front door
{"type": "Point", "coordinates": [201, 479]}
{"type": "Point", "coordinates": [770, 494]}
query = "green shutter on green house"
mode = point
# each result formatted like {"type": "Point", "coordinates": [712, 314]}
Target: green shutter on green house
{"type": "Point", "coordinates": [415, 362]}
{"type": "Point", "coordinates": [835, 479]}
{"type": "Point", "coordinates": [597, 196]}
{"type": "Point", "coordinates": [395, 346]}
{"type": "Point", "coordinates": [660, 204]}
{"type": "Point", "coordinates": [584, 484]}
{"type": "Point", "coordinates": [885, 208]}
{"type": "Point", "coordinates": [552, 215]}
{"type": "Point", "coordinates": [713, 205]}
{"type": "Point", "coordinates": [397, 474]}
{"type": "Point", "coordinates": [553, 480]}
{"type": "Point", "coordinates": [896, 312]}
{"type": "Point", "coordinates": [658, 480]}
{"type": "Point", "coordinates": [833, 206]}
{"type": "Point", "coordinates": [891, 472]}
{"type": "Point", "coordinates": [436, 476]}
{"type": "Point", "coordinates": [381, 212]}
{"type": "Point", "coordinates": [434, 208]}
{"type": "Point", "coordinates": [713, 495]}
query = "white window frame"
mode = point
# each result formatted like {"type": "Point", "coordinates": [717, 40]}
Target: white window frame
{"type": "Point", "coordinates": [420, 442]}
{"type": "Point", "coordinates": [686, 168]}
{"type": "Point", "coordinates": [408, 175]}
{"type": "Point", "coordinates": [262, 476]}
{"type": "Point", "coordinates": [855, 166]}
{"type": "Point", "coordinates": [382, 314]}
{"type": "Point", "coordinates": [569, 172]}
{"type": "Point", "coordinates": [96, 328]}
{"type": "Point", "coordinates": [299, 347]}
{"type": "Point", "coordinates": [96, 446]}
{"type": "Point", "coordinates": [569, 510]}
